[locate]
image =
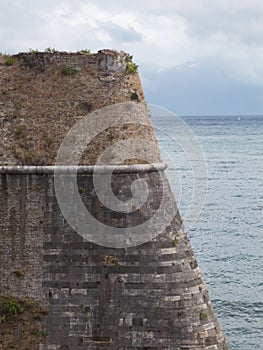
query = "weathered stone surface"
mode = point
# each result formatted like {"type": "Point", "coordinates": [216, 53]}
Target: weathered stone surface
{"type": "Point", "coordinates": [151, 296]}
{"type": "Point", "coordinates": [35, 94]}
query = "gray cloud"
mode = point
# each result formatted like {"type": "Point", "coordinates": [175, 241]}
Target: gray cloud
{"type": "Point", "coordinates": [120, 34]}
{"type": "Point", "coordinates": [167, 36]}
{"type": "Point", "coordinates": [202, 90]}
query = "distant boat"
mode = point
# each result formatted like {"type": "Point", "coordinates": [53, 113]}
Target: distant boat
{"type": "Point", "coordinates": [238, 118]}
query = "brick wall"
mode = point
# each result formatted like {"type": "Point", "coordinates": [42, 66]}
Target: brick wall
{"type": "Point", "coordinates": [150, 296]}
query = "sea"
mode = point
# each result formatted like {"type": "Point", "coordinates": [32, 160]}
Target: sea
{"type": "Point", "coordinates": [226, 231]}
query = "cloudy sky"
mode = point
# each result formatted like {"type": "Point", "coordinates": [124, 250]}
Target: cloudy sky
{"type": "Point", "coordinates": [194, 56]}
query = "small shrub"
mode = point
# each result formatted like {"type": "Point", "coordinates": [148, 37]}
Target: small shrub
{"type": "Point", "coordinates": [50, 50]}
{"type": "Point", "coordinates": [131, 68]}
{"type": "Point", "coordinates": [68, 71]}
{"type": "Point", "coordinates": [10, 308]}
{"type": "Point", "coordinates": [10, 61]}
{"type": "Point", "coordinates": [175, 242]}
{"type": "Point", "coordinates": [134, 97]}
{"type": "Point", "coordinates": [84, 51]}
{"type": "Point", "coordinates": [33, 50]}
{"type": "Point", "coordinates": [128, 58]}
{"type": "Point", "coordinates": [38, 333]}
{"type": "Point", "coordinates": [2, 319]}
{"type": "Point", "coordinates": [81, 189]}
{"type": "Point", "coordinates": [202, 315]}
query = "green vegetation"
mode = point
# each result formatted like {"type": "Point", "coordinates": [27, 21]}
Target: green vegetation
{"type": "Point", "coordinates": [24, 315]}
{"type": "Point", "coordinates": [12, 309]}
{"type": "Point", "coordinates": [68, 71]}
{"type": "Point", "coordinates": [134, 97]}
{"type": "Point", "coordinates": [10, 61]}
{"type": "Point", "coordinates": [84, 51]}
{"type": "Point", "coordinates": [50, 50]}
{"type": "Point", "coordinates": [81, 189]}
{"type": "Point", "coordinates": [131, 68]}
{"type": "Point", "coordinates": [202, 315]}
{"type": "Point", "coordinates": [9, 309]}
{"type": "Point", "coordinates": [128, 58]}
{"type": "Point", "coordinates": [175, 241]}
{"type": "Point", "coordinates": [39, 333]}
{"type": "Point", "coordinates": [33, 50]}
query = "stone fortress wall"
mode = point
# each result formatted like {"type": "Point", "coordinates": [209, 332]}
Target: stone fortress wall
{"type": "Point", "coordinates": [147, 297]}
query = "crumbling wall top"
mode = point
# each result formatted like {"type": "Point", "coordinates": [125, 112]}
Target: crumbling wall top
{"type": "Point", "coordinates": [43, 94]}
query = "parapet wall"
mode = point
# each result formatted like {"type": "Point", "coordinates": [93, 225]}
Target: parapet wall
{"type": "Point", "coordinates": [42, 95]}
{"type": "Point", "coordinates": [105, 60]}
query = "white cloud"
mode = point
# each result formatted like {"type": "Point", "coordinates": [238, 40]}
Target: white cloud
{"type": "Point", "coordinates": [160, 35]}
